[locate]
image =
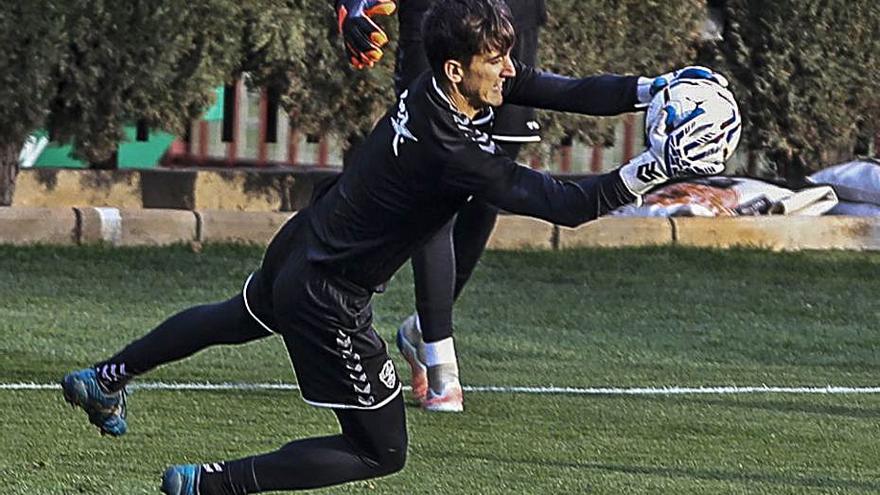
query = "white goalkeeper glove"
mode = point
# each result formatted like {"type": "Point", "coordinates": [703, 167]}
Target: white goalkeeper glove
{"type": "Point", "coordinates": [691, 149]}
{"type": "Point", "coordinates": [649, 86]}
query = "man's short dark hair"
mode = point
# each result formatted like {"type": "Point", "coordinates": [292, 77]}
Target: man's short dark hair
{"type": "Point", "coordinates": [461, 29]}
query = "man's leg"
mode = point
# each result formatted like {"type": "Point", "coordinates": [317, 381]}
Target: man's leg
{"type": "Point", "coordinates": [373, 443]}
{"type": "Point", "coordinates": [99, 390]}
{"type": "Point", "coordinates": [434, 380]}
{"type": "Point", "coordinates": [340, 363]}
{"type": "Point", "coordinates": [440, 271]}
{"type": "Point", "coordinates": [473, 227]}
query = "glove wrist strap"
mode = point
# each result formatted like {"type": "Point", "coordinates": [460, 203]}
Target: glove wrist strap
{"type": "Point", "coordinates": [643, 90]}
{"type": "Point", "coordinates": [642, 173]}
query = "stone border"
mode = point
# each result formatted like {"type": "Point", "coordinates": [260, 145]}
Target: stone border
{"type": "Point", "coordinates": [156, 227]}
{"type": "Point", "coordinates": [251, 189]}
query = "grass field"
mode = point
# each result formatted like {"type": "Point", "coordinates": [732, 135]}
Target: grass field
{"type": "Point", "coordinates": [585, 318]}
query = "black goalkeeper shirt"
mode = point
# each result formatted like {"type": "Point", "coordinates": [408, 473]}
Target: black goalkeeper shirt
{"type": "Point", "coordinates": [424, 160]}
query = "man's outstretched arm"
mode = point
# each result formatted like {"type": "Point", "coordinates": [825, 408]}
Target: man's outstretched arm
{"type": "Point", "coordinates": [517, 189]}
{"type": "Point", "coordinates": [605, 94]}
{"type": "Point", "coordinates": [691, 149]}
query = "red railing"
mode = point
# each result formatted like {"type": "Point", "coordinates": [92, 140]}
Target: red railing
{"type": "Point", "coordinates": [289, 147]}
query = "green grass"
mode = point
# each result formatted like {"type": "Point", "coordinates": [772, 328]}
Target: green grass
{"type": "Point", "coordinates": [638, 317]}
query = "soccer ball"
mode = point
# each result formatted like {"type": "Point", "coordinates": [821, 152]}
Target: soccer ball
{"type": "Point", "coordinates": [685, 99]}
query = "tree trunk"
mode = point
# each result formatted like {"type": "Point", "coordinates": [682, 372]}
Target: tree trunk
{"type": "Point", "coordinates": [8, 172]}
{"type": "Point", "coordinates": [111, 163]}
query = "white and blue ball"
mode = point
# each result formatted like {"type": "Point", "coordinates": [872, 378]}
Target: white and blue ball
{"type": "Point", "coordinates": [686, 99]}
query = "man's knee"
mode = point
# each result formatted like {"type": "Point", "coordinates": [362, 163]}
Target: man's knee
{"type": "Point", "coordinates": [379, 436]}
{"type": "Point", "coordinates": [391, 459]}
{"type": "Point", "coordinates": [388, 454]}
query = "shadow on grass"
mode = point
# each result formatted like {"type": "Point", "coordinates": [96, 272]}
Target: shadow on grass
{"type": "Point", "coordinates": [683, 472]}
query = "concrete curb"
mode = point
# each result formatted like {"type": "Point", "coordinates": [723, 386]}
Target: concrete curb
{"type": "Point", "coordinates": [22, 226]}
{"type": "Point", "coordinates": [155, 227]}
{"type": "Point", "coordinates": [779, 233]}
{"type": "Point", "coordinates": [617, 232]}
{"type": "Point", "coordinates": [515, 232]}
{"type": "Point", "coordinates": [181, 189]}
{"type": "Point", "coordinates": [135, 227]}
{"type": "Point", "coordinates": [239, 227]}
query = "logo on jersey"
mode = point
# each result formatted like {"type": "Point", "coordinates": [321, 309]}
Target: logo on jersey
{"type": "Point", "coordinates": [387, 376]}
{"type": "Point", "coordinates": [398, 123]}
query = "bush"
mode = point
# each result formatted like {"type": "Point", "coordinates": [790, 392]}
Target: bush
{"type": "Point", "coordinates": [641, 37]}
{"type": "Point", "coordinates": [805, 74]}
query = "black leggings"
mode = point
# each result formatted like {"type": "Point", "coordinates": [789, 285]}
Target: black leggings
{"type": "Point", "coordinates": [186, 333]}
{"type": "Point", "coordinates": [445, 264]}
{"type": "Point", "coordinates": [372, 442]}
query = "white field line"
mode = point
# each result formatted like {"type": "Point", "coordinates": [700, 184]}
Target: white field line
{"type": "Point", "coordinates": [706, 390]}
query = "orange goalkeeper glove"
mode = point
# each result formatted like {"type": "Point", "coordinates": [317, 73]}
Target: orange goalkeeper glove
{"type": "Point", "coordinates": [362, 37]}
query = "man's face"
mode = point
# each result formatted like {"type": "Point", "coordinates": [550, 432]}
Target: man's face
{"type": "Point", "coordinates": [483, 78]}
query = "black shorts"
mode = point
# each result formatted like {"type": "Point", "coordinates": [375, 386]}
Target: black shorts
{"type": "Point", "coordinates": [326, 323]}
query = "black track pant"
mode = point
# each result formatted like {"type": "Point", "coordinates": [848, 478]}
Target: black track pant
{"type": "Point", "coordinates": [372, 442]}
{"type": "Point", "coordinates": [444, 265]}
{"type": "Point", "coordinates": [184, 334]}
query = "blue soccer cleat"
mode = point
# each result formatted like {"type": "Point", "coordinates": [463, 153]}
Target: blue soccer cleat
{"type": "Point", "coordinates": [182, 479]}
{"type": "Point", "coordinates": [106, 411]}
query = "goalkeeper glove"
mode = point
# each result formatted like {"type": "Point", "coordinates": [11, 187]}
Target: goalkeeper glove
{"type": "Point", "coordinates": [691, 149]}
{"type": "Point", "coordinates": [648, 87]}
{"type": "Point", "coordinates": [362, 37]}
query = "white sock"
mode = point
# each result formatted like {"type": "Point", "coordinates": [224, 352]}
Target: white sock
{"type": "Point", "coordinates": [440, 352]}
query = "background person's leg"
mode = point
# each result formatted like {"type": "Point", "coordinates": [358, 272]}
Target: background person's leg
{"type": "Point", "coordinates": [473, 227]}
{"type": "Point", "coordinates": [434, 381]}
{"type": "Point", "coordinates": [434, 279]}
{"type": "Point", "coordinates": [440, 271]}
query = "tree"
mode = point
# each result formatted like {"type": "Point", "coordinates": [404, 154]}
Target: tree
{"type": "Point", "coordinates": [804, 73]}
{"type": "Point", "coordinates": [293, 47]}
{"type": "Point", "coordinates": [639, 37]}
{"type": "Point", "coordinates": [157, 62]}
{"type": "Point", "coordinates": [30, 36]}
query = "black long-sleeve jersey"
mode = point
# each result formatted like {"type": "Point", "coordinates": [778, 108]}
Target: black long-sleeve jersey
{"type": "Point", "coordinates": [424, 160]}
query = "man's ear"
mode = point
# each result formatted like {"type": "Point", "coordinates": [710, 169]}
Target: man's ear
{"type": "Point", "coordinates": [453, 71]}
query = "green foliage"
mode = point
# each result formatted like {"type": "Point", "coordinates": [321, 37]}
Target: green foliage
{"type": "Point", "coordinates": [804, 71]}
{"type": "Point", "coordinates": [30, 34]}
{"type": "Point", "coordinates": [584, 37]}
{"type": "Point", "coordinates": [805, 74]}
{"type": "Point", "coordinates": [158, 61]}
{"type": "Point", "coordinates": [298, 50]}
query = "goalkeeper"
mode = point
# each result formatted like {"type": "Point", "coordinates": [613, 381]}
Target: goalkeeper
{"type": "Point", "coordinates": [424, 159]}
{"type": "Point", "coordinates": [442, 267]}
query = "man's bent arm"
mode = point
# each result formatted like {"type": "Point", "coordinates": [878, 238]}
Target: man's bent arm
{"type": "Point", "coordinates": [596, 95]}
